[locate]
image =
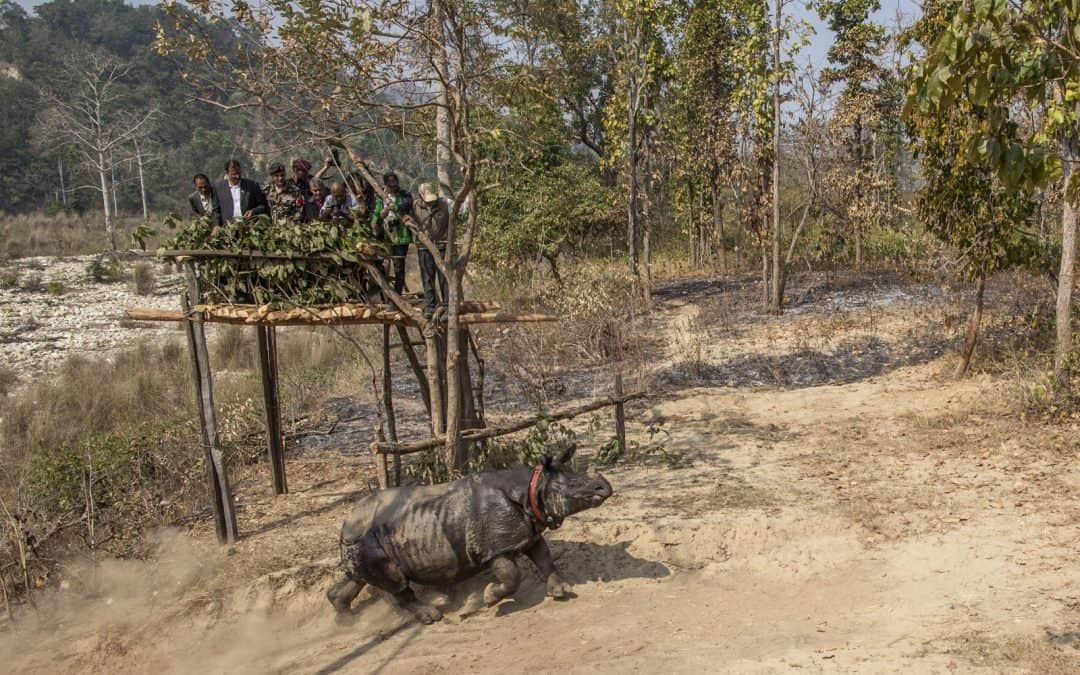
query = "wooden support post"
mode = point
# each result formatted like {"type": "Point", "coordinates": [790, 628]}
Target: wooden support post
{"type": "Point", "coordinates": [388, 402]}
{"type": "Point", "coordinates": [381, 474]}
{"type": "Point", "coordinates": [220, 495]}
{"type": "Point", "coordinates": [268, 369]}
{"type": "Point", "coordinates": [620, 414]}
{"type": "Point", "coordinates": [414, 363]}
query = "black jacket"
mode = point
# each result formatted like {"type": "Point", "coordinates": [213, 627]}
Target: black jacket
{"type": "Point", "coordinates": [197, 207]}
{"type": "Point", "coordinates": [251, 198]}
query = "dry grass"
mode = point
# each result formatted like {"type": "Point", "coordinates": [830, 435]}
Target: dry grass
{"type": "Point", "coordinates": [144, 278]}
{"type": "Point", "coordinates": [108, 449]}
{"type": "Point", "coordinates": [42, 234]}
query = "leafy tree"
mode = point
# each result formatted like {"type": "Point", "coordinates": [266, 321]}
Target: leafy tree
{"type": "Point", "coordinates": [1005, 60]}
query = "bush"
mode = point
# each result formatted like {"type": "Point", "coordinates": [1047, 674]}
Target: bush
{"type": "Point", "coordinates": [55, 287]}
{"type": "Point", "coordinates": [8, 380]}
{"type": "Point", "coordinates": [31, 282]}
{"type": "Point", "coordinates": [105, 269]}
{"type": "Point", "coordinates": [9, 279]}
{"type": "Point", "coordinates": [144, 277]}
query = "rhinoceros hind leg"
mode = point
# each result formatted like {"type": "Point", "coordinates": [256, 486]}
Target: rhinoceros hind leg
{"type": "Point", "coordinates": [507, 576]}
{"type": "Point", "coordinates": [406, 599]}
{"type": "Point", "coordinates": [343, 592]}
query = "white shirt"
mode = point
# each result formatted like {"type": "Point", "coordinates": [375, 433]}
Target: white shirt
{"type": "Point", "coordinates": [207, 206]}
{"type": "Point", "coordinates": [237, 214]}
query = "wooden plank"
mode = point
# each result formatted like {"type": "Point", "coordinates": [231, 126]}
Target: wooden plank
{"type": "Point", "coordinates": [268, 371]}
{"type": "Point", "coordinates": [504, 428]}
{"type": "Point", "coordinates": [221, 494]}
{"type": "Point", "coordinates": [251, 316]}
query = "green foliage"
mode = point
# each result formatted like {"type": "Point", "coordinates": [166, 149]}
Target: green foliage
{"type": "Point", "coordinates": [544, 213]}
{"type": "Point", "coordinates": [55, 287]}
{"type": "Point", "coordinates": [339, 278]}
{"type": "Point", "coordinates": [1001, 60]}
{"type": "Point", "coordinates": [965, 201]}
{"type": "Point", "coordinates": [550, 438]}
{"type": "Point", "coordinates": [9, 279]}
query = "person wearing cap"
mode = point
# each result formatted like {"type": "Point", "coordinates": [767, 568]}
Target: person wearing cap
{"type": "Point", "coordinates": [386, 219]}
{"type": "Point", "coordinates": [285, 201]}
{"type": "Point", "coordinates": [301, 170]}
{"type": "Point", "coordinates": [433, 216]}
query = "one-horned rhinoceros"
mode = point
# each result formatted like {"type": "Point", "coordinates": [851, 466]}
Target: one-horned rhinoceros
{"type": "Point", "coordinates": [440, 534]}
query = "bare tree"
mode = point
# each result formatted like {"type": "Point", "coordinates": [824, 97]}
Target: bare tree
{"type": "Point", "coordinates": [88, 110]}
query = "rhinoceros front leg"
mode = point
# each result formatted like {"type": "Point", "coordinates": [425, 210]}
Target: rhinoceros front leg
{"type": "Point", "coordinates": [507, 576]}
{"type": "Point", "coordinates": [342, 593]}
{"type": "Point", "coordinates": [406, 599]}
{"type": "Point", "coordinates": [540, 554]}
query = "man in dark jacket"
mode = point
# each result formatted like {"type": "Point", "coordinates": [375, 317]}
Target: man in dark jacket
{"type": "Point", "coordinates": [204, 202]}
{"type": "Point", "coordinates": [433, 216]}
{"type": "Point", "coordinates": [239, 197]}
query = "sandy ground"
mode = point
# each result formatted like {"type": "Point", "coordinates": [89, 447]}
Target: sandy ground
{"type": "Point", "coordinates": [874, 519]}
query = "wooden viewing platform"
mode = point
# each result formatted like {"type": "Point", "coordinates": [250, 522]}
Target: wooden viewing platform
{"type": "Point", "coordinates": [193, 314]}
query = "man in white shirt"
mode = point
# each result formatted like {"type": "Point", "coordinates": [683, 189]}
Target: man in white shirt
{"type": "Point", "coordinates": [239, 198]}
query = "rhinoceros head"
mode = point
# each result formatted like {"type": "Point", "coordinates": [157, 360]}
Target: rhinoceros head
{"type": "Point", "coordinates": [565, 492]}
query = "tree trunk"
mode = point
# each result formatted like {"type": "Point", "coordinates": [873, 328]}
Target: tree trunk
{"type": "Point", "coordinates": [443, 137]}
{"type": "Point", "coordinates": [1066, 276]}
{"type": "Point", "coordinates": [973, 327]}
{"type": "Point", "coordinates": [112, 187]}
{"type": "Point", "coordinates": [142, 183]}
{"type": "Point", "coordinates": [858, 152]}
{"type": "Point", "coordinates": [646, 235]}
{"type": "Point", "coordinates": [691, 228]}
{"type": "Point", "coordinates": [632, 202]}
{"type": "Point", "coordinates": [110, 227]}
{"type": "Point", "coordinates": [777, 303]}
{"type": "Point", "coordinates": [63, 188]}
{"type": "Point", "coordinates": [718, 227]}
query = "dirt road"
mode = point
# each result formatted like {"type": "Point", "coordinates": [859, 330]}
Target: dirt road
{"type": "Point", "coordinates": [897, 522]}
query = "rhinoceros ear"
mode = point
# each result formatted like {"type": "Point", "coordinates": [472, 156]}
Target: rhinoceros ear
{"type": "Point", "coordinates": [566, 455]}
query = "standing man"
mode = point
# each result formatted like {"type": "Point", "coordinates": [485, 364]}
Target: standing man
{"type": "Point", "coordinates": [301, 171]}
{"type": "Point", "coordinates": [433, 217]}
{"type": "Point", "coordinates": [387, 219]}
{"type": "Point", "coordinates": [238, 197]}
{"type": "Point", "coordinates": [285, 201]}
{"type": "Point", "coordinates": [204, 202]}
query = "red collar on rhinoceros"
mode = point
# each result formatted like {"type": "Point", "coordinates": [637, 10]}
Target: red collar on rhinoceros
{"type": "Point", "coordinates": [533, 503]}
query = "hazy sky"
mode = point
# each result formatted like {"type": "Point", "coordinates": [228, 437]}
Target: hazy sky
{"type": "Point", "coordinates": [814, 54]}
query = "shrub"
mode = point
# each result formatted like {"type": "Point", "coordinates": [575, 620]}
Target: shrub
{"type": "Point", "coordinates": [105, 269]}
{"type": "Point", "coordinates": [31, 282]}
{"type": "Point", "coordinates": [9, 279]}
{"type": "Point", "coordinates": [144, 277]}
{"type": "Point", "coordinates": [8, 380]}
{"type": "Point", "coordinates": [55, 287]}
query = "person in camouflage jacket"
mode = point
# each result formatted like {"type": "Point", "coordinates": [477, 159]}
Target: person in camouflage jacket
{"type": "Point", "coordinates": [284, 198]}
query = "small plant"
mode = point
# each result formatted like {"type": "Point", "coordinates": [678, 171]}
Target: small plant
{"type": "Point", "coordinates": [8, 380]}
{"type": "Point", "coordinates": [55, 287]}
{"type": "Point", "coordinates": [9, 279]}
{"type": "Point", "coordinates": [144, 277]}
{"type": "Point", "coordinates": [545, 438]}
{"type": "Point", "coordinates": [31, 282]}
{"type": "Point", "coordinates": [105, 270]}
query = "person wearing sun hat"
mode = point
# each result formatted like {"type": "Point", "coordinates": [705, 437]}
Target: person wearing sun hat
{"type": "Point", "coordinates": [433, 216]}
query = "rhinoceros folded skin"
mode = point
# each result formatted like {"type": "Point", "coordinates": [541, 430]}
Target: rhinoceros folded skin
{"type": "Point", "coordinates": [437, 535]}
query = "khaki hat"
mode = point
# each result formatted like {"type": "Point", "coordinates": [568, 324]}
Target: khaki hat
{"type": "Point", "coordinates": [428, 193]}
